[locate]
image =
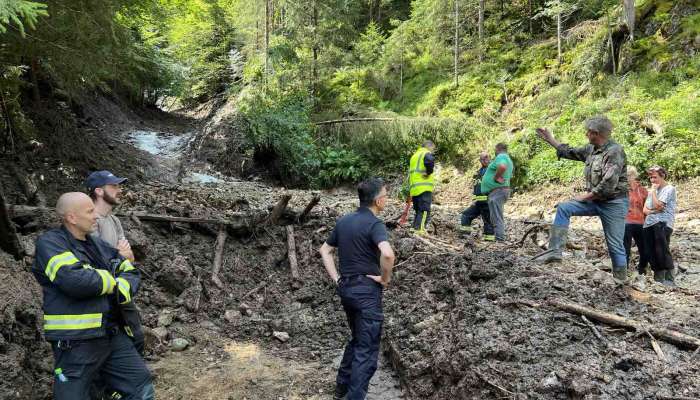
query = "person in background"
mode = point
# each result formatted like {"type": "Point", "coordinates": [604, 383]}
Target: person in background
{"type": "Point", "coordinates": [660, 210]}
{"type": "Point", "coordinates": [421, 184]}
{"type": "Point", "coordinates": [480, 206]}
{"type": "Point", "coordinates": [634, 221]}
{"type": "Point", "coordinates": [606, 192]}
{"type": "Point", "coordinates": [496, 185]}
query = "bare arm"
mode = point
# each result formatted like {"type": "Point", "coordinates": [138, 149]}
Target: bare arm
{"type": "Point", "coordinates": [328, 261]}
{"type": "Point", "coordinates": [386, 261]}
{"type": "Point", "coordinates": [548, 137]}
{"type": "Point", "coordinates": [656, 203]}
{"type": "Point", "coordinates": [500, 170]}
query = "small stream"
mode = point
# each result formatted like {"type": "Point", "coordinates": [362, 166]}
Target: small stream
{"type": "Point", "coordinates": [169, 147]}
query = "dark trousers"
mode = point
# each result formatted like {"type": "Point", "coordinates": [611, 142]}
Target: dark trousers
{"type": "Point", "coordinates": [421, 205]}
{"type": "Point", "coordinates": [636, 232]}
{"type": "Point", "coordinates": [657, 239]}
{"type": "Point", "coordinates": [361, 298]}
{"type": "Point", "coordinates": [476, 210]}
{"type": "Point", "coordinates": [113, 358]}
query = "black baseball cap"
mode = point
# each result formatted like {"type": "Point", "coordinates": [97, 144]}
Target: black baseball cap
{"type": "Point", "coordinates": [101, 178]}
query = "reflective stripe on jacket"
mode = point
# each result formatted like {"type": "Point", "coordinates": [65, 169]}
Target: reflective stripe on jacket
{"type": "Point", "coordinates": [417, 181]}
{"type": "Point", "coordinates": [78, 286]}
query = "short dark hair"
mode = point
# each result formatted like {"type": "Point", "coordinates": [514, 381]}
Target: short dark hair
{"type": "Point", "coordinates": [92, 194]}
{"type": "Point", "coordinates": [501, 147]}
{"type": "Point", "coordinates": [368, 190]}
{"type": "Point", "coordinates": [429, 144]}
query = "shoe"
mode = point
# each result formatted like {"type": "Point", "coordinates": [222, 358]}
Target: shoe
{"type": "Point", "coordinates": [489, 238]}
{"type": "Point", "coordinates": [465, 229]}
{"type": "Point", "coordinates": [668, 278]}
{"type": "Point", "coordinates": [340, 392]}
{"type": "Point", "coordinates": [620, 274]}
{"type": "Point", "coordinates": [557, 241]}
{"type": "Point", "coordinates": [660, 276]}
{"type": "Point", "coordinates": [420, 232]}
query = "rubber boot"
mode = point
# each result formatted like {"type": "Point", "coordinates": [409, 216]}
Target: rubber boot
{"type": "Point", "coordinates": [668, 278]}
{"type": "Point", "coordinates": [340, 392]}
{"type": "Point", "coordinates": [557, 241]}
{"type": "Point", "coordinates": [465, 229]}
{"type": "Point", "coordinates": [489, 238]}
{"type": "Point", "coordinates": [620, 273]}
{"type": "Point", "coordinates": [659, 276]}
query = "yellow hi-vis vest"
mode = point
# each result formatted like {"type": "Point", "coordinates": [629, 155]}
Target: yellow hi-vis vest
{"type": "Point", "coordinates": [416, 179]}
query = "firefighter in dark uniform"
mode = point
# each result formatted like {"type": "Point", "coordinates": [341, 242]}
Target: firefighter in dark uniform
{"type": "Point", "coordinates": [85, 282]}
{"type": "Point", "coordinates": [366, 261]}
{"type": "Point", "coordinates": [480, 206]}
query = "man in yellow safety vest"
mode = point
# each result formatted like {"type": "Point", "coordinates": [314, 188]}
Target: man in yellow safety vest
{"type": "Point", "coordinates": [421, 183]}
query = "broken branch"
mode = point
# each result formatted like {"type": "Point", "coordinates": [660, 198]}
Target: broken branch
{"type": "Point", "coordinates": [218, 256]}
{"type": "Point", "coordinates": [279, 208]}
{"type": "Point", "coordinates": [671, 336]}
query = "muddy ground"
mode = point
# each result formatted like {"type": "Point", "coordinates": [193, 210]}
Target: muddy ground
{"type": "Point", "coordinates": [464, 319]}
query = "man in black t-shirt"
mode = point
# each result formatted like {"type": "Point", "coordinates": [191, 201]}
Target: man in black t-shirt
{"type": "Point", "coordinates": [366, 260]}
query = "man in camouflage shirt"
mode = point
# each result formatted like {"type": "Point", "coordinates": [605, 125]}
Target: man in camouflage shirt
{"type": "Point", "coordinates": [606, 192]}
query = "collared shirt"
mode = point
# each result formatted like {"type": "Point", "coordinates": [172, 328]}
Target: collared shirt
{"type": "Point", "coordinates": [606, 168]}
{"type": "Point", "coordinates": [356, 235]}
{"type": "Point", "coordinates": [666, 195]}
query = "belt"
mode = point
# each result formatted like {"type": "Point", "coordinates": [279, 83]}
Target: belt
{"type": "Point", "coordinates": [354, 280]}
{"type": "Point", "coordinates": [499, 188]}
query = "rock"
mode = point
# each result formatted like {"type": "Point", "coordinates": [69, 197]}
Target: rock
{"type": "Point", "coordinates": [484, 273]}
{"type": "Point", "coordinates": [179, 344]}
{"type": "Point", "coordinates": [429, 322]}
{"type": "Point", "coordinates": [406, 246]}
{"type": "Point", "coordinates": [281, 336]}
{"type": "Point", "coordinates": [549, 384]}
{"type": "Point", "coordinates": [165, 318]}
{"type": "Point", "coordinates": [232, 316]}
{"type": "Point", "coordinates": [276, 324]}
{"type": "Point", "coordinates": [245, 309]}
{"type": "Point", "coordinates": [161, 333]}
{"type": "Point", "coordinates": [175, 275]}
{"type": "Point", "coordinates": [139, 243]}
{"type": "Point", "coordinates": [579, 388]}
{"type": "Point", "coordinates": [209, 325]}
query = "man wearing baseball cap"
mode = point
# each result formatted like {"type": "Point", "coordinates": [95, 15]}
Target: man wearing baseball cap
{"type": "Point", "coordinates": [105, 190]}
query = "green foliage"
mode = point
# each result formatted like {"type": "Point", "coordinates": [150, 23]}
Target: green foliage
{"type": "Point", "coordinates": [280, 131]}
{"type": "Point", "coordinates": [340, 165]}
{"type": "Point", "coordinates": [15, 11]}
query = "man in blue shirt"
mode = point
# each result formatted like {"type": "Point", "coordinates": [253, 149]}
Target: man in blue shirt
{"type": "Point", "coordinates": [366, 260]}
{"type": "Point", "coordinates": [480, 206]}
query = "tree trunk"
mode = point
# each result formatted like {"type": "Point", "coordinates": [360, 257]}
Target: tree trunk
{"type": "Point", "coordinates": [456, 44]}
{"type": "Point", "coordinates": [314, 69]}
{"type": "Point", "coordinates": [481, 29]}
{"type": "Point", "coordinates": [35, 79]}
{"type": "Point", "coordinates": [529, 16]}
{"type": "Point", "coordinates": [612, 47]}
{"type": "Point", "coordinates": [630, 16]}
{"type": "Point", "coordinates": [267, 40]}
{"type": "Point", "coordinates": [559, 37]}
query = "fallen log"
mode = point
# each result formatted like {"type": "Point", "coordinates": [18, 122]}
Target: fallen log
{"type": "Point", "coordinates": [292, 255]}
{"type": "Point", "coordinates": [668, 335]}
{"type": "Point", "coordinates": [279, 208]}
{"type": "Point", "coordinates": [219, 256]}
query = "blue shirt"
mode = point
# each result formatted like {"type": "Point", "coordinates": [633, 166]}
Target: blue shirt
{"type": "Point", "coordinates": [356, 235]}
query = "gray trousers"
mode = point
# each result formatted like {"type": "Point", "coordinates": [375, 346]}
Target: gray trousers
{"type": "Point", "coordinates": [497, 199]}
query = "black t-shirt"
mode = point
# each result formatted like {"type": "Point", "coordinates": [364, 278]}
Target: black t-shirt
{"type": "Point", "coordinates": [356, 235]}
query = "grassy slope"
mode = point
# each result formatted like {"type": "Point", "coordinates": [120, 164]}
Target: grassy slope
{"type": "Point", "coordinates": [652, 100]}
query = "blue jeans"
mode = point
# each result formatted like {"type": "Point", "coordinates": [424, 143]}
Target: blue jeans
{"type": "Point", "coordinates": [612, 214]}
{"type": "Point", "coordinates": [361, 298]}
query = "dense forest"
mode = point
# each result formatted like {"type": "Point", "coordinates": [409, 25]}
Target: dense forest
{"type": "Point", "coordinates": [465, 73]}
